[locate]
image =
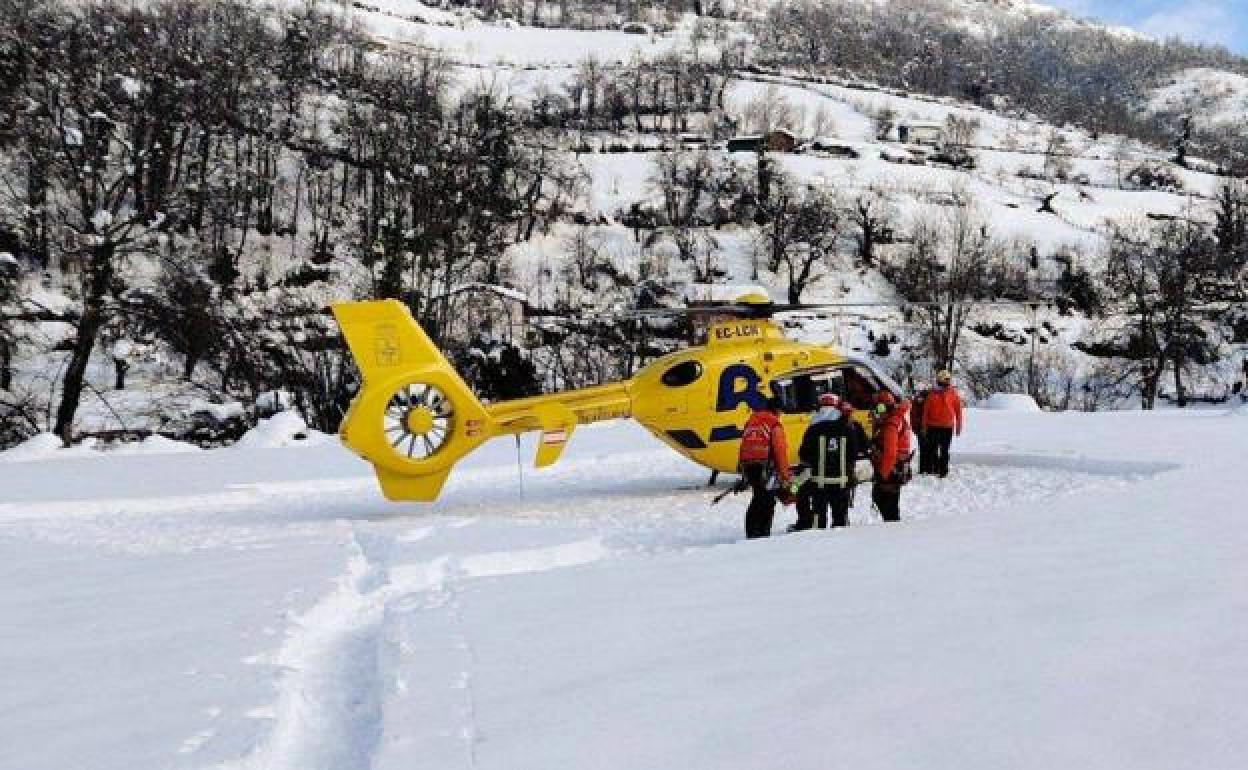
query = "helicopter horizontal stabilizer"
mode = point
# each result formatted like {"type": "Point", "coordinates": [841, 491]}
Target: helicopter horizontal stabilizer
{"type": "Point", "coordinates": [557, 423]}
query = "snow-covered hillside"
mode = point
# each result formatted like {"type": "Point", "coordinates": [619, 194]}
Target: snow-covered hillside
{"type": "Point", "coordinates": [1067, 598]}
{"type": "Point", "coordinates": [1211, 97]}
{"type": "Point", "coordinates": [218, 300]}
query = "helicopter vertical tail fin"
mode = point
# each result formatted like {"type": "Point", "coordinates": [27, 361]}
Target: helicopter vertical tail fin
{"type": "Point", "coordinates": [414, 416]}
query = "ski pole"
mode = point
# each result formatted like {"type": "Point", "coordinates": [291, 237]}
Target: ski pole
{"type": "Point", "coordinates": [732, 490]}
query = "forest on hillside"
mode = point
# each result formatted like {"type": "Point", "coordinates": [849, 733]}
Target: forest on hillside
{"type": "Point", "coordinates": [1083, 75]}
{"type": "Point", "coordinates": [193, 182]}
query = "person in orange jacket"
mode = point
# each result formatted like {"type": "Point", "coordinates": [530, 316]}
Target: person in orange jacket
{"type": "Point", "coordinates": [764, 451]}
{"type": "Point", "coordinates": [942, 420]}
{"type": "Point", "coordinates": [926, 464]}
{"type": "Point", "coordinates": [891, 454]}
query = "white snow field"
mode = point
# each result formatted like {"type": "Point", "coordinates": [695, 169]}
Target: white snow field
{"type": "Point", "coordinates": [1073, 596]}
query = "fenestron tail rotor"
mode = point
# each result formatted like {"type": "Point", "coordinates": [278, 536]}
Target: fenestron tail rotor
{"type": "Point", "coordinates": [418, 420]}
{"type": "Point", "coordinates": [414, 417]}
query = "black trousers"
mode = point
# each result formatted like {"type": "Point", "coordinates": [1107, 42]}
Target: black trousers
{"type": "Point", "coordinates": [887, 499]}
{"type": "Point", "coordinates": [814, 503]}
{"type": "Point", "coordinates": [941, 438]}
{"type": "Point", "coordinates": [927, 453]}
{"type": "Point", "coordinates": [762, 507]}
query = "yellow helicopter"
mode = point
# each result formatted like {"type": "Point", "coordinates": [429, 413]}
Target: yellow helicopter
{"type": "Point", "coordinates": [414, 417]}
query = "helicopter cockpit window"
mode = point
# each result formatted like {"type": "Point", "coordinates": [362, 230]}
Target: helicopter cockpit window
{"type": "Point", "coordinates": [681, 374]}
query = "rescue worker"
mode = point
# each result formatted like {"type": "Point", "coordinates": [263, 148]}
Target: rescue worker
{"type": "Point", "coordinates": [890, 453]}
{"type": "Point", "coordinates": [829, 449]}
{"type": "Point", "coordinates": [926, 451]}
{"type": "Point", "coordinates": [942, 420]}
{"type": "Point", "coordinates": [764, 452]}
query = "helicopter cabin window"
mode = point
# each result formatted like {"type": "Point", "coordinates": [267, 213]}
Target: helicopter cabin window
{"type": "Point", "coordinates": [800, 394]}
{"type": "Point", "coordinates": [681, 374]}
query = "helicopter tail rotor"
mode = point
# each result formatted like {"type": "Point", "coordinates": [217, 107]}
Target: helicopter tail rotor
{"type": "Point", "coordinates": [414, 417]}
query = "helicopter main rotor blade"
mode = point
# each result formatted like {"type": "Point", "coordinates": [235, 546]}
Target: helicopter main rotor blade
{"type": "Point", "coordinates": [744, 310]}
{"type": "Point", "coordinates": [671, 312]}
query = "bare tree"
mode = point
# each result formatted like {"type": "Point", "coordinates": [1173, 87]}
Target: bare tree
{"type": "Point", "coordinates": [1057, 154]}
{"type": "Point", "coordinates": [771, 110]}
{"type": "Point", "coordinates": [8, 330]}
{"type": "Point", "coordinates": [1182, 140]}
{"type": "Point", "coordinates": [1122, 156]}
{"type": "Point", "coordinates": [1231, 232]}
{"type": "Point", "coordinates": [684, 180]}
{"type": "Point", "coordinates": [822, 124]}
{"type": "Point", "coordinates": [184, 310]}
{"type": "Point", "coordinates": [700, 250]}
{"type": "Point", "coordinates": [883, 121]}
{"type": "Point", "coordinates": [944, 271]}
{"type": "Point", "coordinates": [959, 136]}
{"type": "Point", "coordinates": [1162, 275]}
{"type": "Point", "coordinates": [871, 215]}
{"type": "Point", "coordinates": [800, 234]}
{"type": "Point", "coordinates": [585, 260]}
{"type": "Point", "coordinates": [105, 135]}
{"type": "Point", "coordinates": [587, 87]}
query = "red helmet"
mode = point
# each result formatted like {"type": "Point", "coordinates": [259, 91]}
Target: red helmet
{"type": "Point", "coordinates": [829, 399]}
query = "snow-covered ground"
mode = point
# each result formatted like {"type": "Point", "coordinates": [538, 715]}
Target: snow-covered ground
{"type": "Point", "coordinates": [1072, 596]}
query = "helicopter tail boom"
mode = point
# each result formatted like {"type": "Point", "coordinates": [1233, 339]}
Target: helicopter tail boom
{"type": "Point", "coordinates": [557, 415]}
{"type": "Point", "coordinates": [415, 417]}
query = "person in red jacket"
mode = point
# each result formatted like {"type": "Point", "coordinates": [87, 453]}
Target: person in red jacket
{"type": "Point", "coordinates": [926, 465]}
{"type": "Point", "coordinates": [942, 420]}
{"type": "Point", "coordinates": [891, 454]}
{"type": "Point", "coordinates": [764, 451]}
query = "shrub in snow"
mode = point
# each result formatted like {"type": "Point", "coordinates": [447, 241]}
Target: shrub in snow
{"type": "Point", "coordinates": [1154, 176]}
{"type": "Point", "coordinates": [497, 369]}
{"type": "Point", "coordinates": [281, 430]}
{"type": "Point", "coordinates": [220, 412]}
{"type": "Point", "coordinates": [214, 424]}
{"type": "Point", "coordinates": [955, 159]}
